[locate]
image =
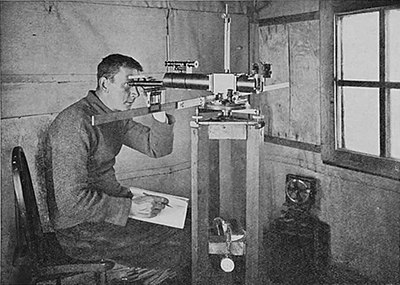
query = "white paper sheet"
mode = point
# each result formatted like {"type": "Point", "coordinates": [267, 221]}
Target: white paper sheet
{"type": "Point", "coordinates": [173, 216]}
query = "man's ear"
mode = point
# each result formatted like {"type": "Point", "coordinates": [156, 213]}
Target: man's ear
{"type": "Point", "coordinates": [103, 84]}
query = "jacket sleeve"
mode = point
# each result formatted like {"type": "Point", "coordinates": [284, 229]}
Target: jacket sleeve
{"type": "Point", "coordinates": [77, 201]}
{"type": "Point", "coordinates": [154, 141]}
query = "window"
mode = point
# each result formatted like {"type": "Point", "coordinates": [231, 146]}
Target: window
{"type": "Point", "coordinates": [367, 69]}
{"type": "Point", "coordinates": [363, 98]}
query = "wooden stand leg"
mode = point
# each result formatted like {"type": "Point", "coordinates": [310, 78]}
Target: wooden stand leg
{"type": "Point", "coordinates": [200, 205]}
{"type": "Point", "coordinates": [226, 179]}
{"type": "Point", "coordinates": [253, 229]}
{"type": "Point", "coordinates": [201, 266]}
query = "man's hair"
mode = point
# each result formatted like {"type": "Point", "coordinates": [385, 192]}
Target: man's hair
{"type": "Point", "coordinates": [111, 64]}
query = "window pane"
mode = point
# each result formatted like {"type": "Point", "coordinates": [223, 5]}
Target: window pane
{"type": "Point", "coordinates": [395, 123]}
{"type": "Point", "coordinates": [360, 46]}
{"type": "Point", "coordinates": [361, 119]}
{"type": "Point", "coordinates": [393, 40]}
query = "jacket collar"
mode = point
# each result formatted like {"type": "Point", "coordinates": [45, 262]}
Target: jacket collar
{"type": "Point", "coordinates": [96, 103]}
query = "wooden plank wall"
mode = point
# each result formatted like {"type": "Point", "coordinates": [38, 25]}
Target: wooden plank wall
{"type": "Point", "coordinates": [361, 209]}
{"type": "Point", "coordinates": [292, 49]}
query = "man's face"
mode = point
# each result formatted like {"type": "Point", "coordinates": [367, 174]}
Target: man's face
{"type": "Point", "coordinates": [121, 96]}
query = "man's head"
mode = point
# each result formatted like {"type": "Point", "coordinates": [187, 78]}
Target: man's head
{"type": "Point", "coordinates": [112, 81]}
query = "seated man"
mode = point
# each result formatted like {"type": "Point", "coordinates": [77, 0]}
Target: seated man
{"type": "Point", "coordinates": [88, 207]}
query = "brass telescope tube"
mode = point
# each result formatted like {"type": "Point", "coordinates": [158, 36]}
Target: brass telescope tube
{"type": "Point", "coordinates": [186, 81]}
{"type": "Point", "coordinates": [196, 81]}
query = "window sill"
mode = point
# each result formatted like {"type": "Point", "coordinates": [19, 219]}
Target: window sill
{"type": "Point", "coordinates": [384, 167]}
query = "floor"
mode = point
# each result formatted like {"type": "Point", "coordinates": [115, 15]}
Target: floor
{"type": "Point", "coordinates": [122, 275]}
{"type": "Point", "coordinates": [336, 275]}
{"type": "Point", "coordinates": [287, 273]}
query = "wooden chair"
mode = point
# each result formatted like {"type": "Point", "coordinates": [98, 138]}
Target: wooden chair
{"type": "Point", "coordinates": [46, 257]}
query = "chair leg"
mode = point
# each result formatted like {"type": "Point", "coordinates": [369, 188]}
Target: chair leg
{"type": "Point", "coordinates": [103, 278]}
{"type": "Point", "coordinates": [124, 280]}
{"type": "Point", "coordinates": [100, 278]}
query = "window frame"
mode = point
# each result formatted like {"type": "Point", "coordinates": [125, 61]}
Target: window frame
{"type": "Point", "coordinates": [382, 166]}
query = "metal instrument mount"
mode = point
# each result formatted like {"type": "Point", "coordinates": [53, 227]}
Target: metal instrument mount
{"type": "Point", "coordinates": [228, 92]}
{"type": "Point", "coordinates": [182, 66]}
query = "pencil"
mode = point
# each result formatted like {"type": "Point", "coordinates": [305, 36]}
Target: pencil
{"type": "Point", "coordinates": [164, 203]}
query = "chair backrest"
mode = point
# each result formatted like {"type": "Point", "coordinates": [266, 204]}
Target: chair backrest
{"type": "Point", "coordinates": [29, 219]}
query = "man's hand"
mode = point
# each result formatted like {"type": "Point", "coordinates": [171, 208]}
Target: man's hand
{"type": "Point", "coordinates": [136, 191]}
{"type": "Point", "coordinates": [147, 206]}
{"type": "Point", "coordinates": [160, 116]}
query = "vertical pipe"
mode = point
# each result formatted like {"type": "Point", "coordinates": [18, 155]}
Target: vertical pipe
{"type": "Point", "coordinates": [167, 40]}
{"type": "Point", "coordinates": [227, 40]}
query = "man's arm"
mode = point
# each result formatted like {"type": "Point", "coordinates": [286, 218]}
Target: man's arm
{"type": "Point", "coordinates": [154, 141]}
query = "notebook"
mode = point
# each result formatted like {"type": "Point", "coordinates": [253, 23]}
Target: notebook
{"type": "Point", "coordinates": [173, 216]}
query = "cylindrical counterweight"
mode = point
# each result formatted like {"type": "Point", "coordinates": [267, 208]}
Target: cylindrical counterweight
{"type": "Point", "coordinates": [245, 84]}
{"type": "Point", "coordinates": [186, 81]}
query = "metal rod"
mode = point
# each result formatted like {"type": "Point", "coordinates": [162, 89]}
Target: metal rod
{"type": "Point", "coordinates": [144, 83]}
{"type": "Point", "coordinates": [227, 40]}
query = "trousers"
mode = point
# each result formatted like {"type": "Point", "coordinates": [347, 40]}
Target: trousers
{"type": "Point", "coordinates": [137, 244]}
